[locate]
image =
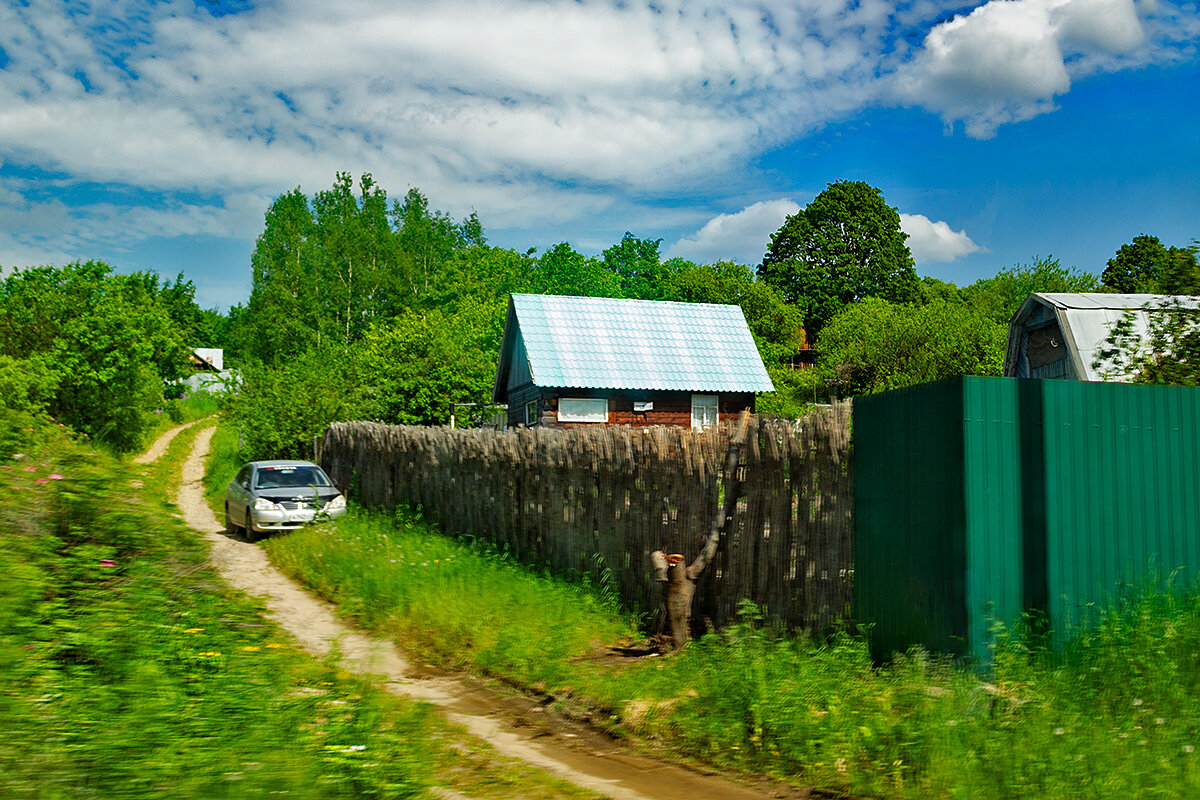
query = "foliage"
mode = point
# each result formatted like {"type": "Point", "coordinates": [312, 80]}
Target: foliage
{"type": "Point", "coordinates": [125, 673]}
{"type": "Point", "coordinates": [1146, 266]}
{"type": "Point", "coordinates": [842, 247]}
{"type": "Point", "coordinates": [281, 409]}
{"type": "Point", "coordinates": [97, 346]}
{"type": "Point", "coordinates": [1167, 353]}
{"type": "Point", "coordinates": [998, 298]}
{"type": "Point", "coordinates": [421, 363]}
{"type": "Point", "coordinates": [873, 345]}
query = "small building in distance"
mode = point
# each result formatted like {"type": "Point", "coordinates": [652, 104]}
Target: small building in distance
{"type": "Point", "coordinates": [1060, 335]}
{"type": "Point", "coordinates": [568, 361]}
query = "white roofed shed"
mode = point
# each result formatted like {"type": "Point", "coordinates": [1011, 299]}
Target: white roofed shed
{"type": "Point", "coordinates": [1059, 335]}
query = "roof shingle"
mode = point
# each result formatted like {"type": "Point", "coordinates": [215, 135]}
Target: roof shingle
{"type": "Point", "coordinates": [603, 343]}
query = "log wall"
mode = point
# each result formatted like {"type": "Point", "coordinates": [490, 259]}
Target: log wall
{"type": "Point", "coordinates": [601, 499]}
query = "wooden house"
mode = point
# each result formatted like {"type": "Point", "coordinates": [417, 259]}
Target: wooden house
{"type": "Point", "coordinates": [569, 361]}
{"type": "Point", "coordinates": [1060, 335]}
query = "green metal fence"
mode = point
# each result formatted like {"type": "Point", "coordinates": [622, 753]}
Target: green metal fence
{"type": "Point", "coordinates": [981, 498]}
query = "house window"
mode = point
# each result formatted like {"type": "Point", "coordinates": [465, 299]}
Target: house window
{"type": "Point", "coordinates": [704, 410]}
{"type": "Point", "coordinates": [531, 412]}
{"type": "Point", "coordinates": [583, 409]}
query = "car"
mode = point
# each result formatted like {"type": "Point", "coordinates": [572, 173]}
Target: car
{"type": "Point", "coordinates": [268, 496]}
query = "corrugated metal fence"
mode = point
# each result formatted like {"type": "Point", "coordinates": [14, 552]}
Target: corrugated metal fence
{"type": "Point", "coordinates": [981, 498]}
{"type": "Point", "coordinates": [592, 499]}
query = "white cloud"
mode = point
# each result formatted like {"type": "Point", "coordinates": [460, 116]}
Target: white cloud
{"type": "Point", "coordinates": [932, 242]}
{"type": "Point", "coordinates": [533, 113]}
{"type": "Point", "coordinates": [742, 237]}
{"type": "Point", "coordinates": [1007, 60]}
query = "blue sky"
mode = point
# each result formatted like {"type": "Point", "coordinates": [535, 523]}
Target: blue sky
{"type": "Point", "coordinates": [154, 135]}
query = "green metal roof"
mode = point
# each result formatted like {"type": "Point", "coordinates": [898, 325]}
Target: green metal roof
{"type": "Point", "coordinates": [602, 343]}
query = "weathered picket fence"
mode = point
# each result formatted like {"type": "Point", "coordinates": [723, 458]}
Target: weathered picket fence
{"type": "Point", "coordinates": [600, 500]}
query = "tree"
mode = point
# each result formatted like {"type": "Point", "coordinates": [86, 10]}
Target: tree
{"type": "Point", "coordinates": [843, 246]}
{"type": "Point", "coordinates": [638, 267]}
{"type": "Point", "coordinates": [107, 341]}
{"type": "Point", "coordinates": [1137, 266]}
{"type": "Point", "coordinates": [562, 270]}
{"type": "Point", "coordinates": [873, 345]}
{"type": "Point", "coordinates": [998, 298]}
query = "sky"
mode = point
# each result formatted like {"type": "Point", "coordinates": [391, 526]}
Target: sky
{"type": "Point", "coordinates": [154, 135]}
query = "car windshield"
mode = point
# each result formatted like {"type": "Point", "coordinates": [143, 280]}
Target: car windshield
{"type": "Point", "coordinates": [290, 477]}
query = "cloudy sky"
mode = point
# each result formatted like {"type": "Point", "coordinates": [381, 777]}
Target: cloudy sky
{"type": "Point", "coordinates": [155, 134]}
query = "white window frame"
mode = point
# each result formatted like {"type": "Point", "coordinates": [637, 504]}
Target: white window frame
{"type": "Point", "coordinates": [531, 412]}
{"type": "Point", "coordinates": [706, 410]}
{"type": "Point", "coordinates": [583, 409]}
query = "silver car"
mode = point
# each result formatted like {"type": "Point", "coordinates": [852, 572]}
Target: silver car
{"type": "Point", "coordinates": [280, 496]}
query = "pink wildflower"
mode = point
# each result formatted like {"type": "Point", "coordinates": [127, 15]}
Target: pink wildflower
{"type": "Point", "coordinates": [30, 469]}
{"type": "Point", "coordinates": [54, 476]}
{"type": "Point", "coordinates": [5, 466]}
{"type": "Point", "coordinates": [107, 563]}
{"type": "Point", "coordinates": [41, 480]}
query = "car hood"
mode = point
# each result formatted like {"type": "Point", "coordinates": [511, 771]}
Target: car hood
{"type": "Point", "coordinates": [325, 493]}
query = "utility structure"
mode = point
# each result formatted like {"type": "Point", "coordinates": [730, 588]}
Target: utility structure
{"type": "Point", "coordinates": [679, 581]}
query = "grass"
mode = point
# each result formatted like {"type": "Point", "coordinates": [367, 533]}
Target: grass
{"type": "Point", "coordinates": [189, 408]}
{"type": "Point", "coordinates": [128, 669]}
{"type": "Point", "coordinates": [1115, 716]}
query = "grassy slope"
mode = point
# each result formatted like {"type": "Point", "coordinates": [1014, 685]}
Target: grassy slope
{"type": "Point", "coordinates": [1117, 719]}
{"type": "Point", "coordinates": [129, 670]}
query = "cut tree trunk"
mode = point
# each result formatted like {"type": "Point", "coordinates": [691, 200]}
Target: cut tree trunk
{"type": "Point", "coordinates": [679, 582]}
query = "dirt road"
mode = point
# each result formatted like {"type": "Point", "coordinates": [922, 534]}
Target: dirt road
{"type": "Point", "coordinates": [515, 727]}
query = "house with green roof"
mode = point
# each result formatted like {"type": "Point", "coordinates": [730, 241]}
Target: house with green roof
{"type": "Point", "coordinates": [569, 361]}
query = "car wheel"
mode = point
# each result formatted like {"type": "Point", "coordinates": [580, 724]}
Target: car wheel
{"type": "Point", "coordinates": [251, 534]}
{"type": "Point", "coordinates": [231, 527]}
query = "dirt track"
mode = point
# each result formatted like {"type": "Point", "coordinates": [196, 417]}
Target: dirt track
{"type": "Point", "coordinates": [516, 727]}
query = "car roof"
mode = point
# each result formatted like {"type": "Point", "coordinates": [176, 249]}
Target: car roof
{"type": "Point", "coordinates": [282, 463]}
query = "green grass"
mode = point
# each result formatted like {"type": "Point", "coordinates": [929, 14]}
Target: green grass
{"type": "Point", "coordinates": [189, 408]}
{"type": "Point", "coordinates": [128, 669]}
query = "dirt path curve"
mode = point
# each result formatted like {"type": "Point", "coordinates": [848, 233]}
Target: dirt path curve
{"type": "Point", "coordinates": [162, 442]}
{"type": "Point", "coordinates": [572, 752]}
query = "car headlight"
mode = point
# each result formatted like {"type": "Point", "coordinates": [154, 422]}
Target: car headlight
{"type": "Point", "coordinates": [263, 504]}
{"type": "Point", "coordinates": [336, 503]}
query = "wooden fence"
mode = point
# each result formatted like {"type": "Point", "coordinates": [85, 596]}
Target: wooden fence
{"type": "Point", "coordinates": [600, 500]}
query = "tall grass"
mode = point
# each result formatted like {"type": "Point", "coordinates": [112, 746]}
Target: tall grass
{"type": "Point", "coordinates": [127, 669]}
{"type": "Point", "coordinates": [461, 603]}
{"type": "Point", "coordinates": [1113, 716]}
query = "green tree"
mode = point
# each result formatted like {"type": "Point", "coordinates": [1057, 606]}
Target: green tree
{"type": "Point", "coordinates": [842, 247]}
{"type": "Point", "coordinates": [357, 250]}
{"type": "Point", "coordinates": [424, 362]}
{"type": "Point", "coordinates": [1136, 267]}
{"type": "Point", "coordinates": [638, 267]}
{"type": "Point", "coordinates": [562, 270]}
{"type": "Point", "coordinates": [873, 345]}
{"type": "Point", "coordinates": [283, 315]}
{"type": "Point", "coordinates": [282, 407]}
{"type": "Point", "coordinates": [426, 240]}
{"type": "Point", "coordinates": [107, 343]}
{"type": "Point", "coordinates": [999, 297]}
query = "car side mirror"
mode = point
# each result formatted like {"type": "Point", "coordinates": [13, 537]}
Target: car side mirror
{"type": "Point", "coordinates": [245, 484]}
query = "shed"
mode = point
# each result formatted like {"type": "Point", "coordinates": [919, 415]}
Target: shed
{"type": "Point", "coordinates": [568, 361]}
{"type": "Point", "coordinates": [1059, 335]}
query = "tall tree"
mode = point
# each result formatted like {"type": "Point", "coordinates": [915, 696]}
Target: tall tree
{"type": "Point", "coordinates": [283, 315]}
{"type": "Point", "coordinates": [357, 251]}
{"type": "Point", "coordinates": [638, 267]}
{"type": "Point", "coordinates": [1136, 267]}
{"type": "Point", "coordinates": [843, 246]}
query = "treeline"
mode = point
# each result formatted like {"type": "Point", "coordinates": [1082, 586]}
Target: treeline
{"type": "Point", "coordinates": [94, 350]}
{"type": "Point", "coordinates": [365, 307]}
